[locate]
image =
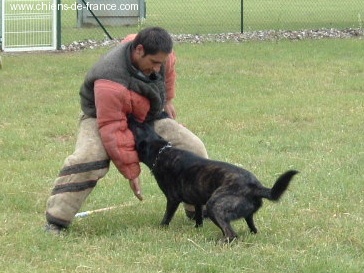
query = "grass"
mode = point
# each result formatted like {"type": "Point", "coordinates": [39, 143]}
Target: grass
{"type": "Point", "coordinates": [293, 15]}
{"type": "Point", "coordinates": [267, 106]}
{"type": "Point", "coordinates": [177, 16]}
{"type": "Point", "coordinates": [191, 16]}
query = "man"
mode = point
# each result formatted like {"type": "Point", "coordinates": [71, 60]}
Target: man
{"type": "Point", "coordinates": [138, 78]}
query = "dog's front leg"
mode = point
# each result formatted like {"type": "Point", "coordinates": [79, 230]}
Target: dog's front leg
{"type": "Point", "coordinates": [170, 211]}
{"type": "Point", "coordinates": [198, 216]}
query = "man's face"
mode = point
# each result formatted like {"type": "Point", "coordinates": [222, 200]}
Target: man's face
{"type": "Point", "coordinates": [148, 64]}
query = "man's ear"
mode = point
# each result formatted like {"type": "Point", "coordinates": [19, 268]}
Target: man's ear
{"type": "Point", "coordinates": [139, 50]}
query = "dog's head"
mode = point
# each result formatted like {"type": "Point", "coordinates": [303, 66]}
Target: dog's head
{"type": "Point", "coordinates": [147, 141]}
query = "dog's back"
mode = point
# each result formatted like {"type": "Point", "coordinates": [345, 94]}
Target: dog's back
{"type": "Point", "coordinates": [203, 176]}
{"type": "Point", "coordinates": [195, 178]}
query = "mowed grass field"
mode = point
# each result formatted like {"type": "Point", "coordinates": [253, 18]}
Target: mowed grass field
{"type": "Point", "coordinates": [182, 17]}
{"type": "Point", "coordinates": [267, 106]}
{"type": "Point", "coordinates": [214, 16]}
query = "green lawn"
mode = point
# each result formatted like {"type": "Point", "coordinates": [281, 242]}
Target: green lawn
{"type": "Point", "coordinates": [198, 17]}
{"type": "Point", "coordinates": [311, 14]}
{"type": "Point", "coordinates": [267, 106]}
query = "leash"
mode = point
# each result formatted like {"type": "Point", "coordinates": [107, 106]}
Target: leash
{"type": "Point", "coordinates": [89, 212]}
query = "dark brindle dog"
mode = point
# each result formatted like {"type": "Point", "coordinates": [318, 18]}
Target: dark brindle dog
{"type": "Point", "coordinates": [228, 191]}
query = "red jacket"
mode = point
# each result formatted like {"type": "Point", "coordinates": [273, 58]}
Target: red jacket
{"type": "Point", "coordinates": [114, 101]}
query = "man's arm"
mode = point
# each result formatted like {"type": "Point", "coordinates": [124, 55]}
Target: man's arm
{"type": "Point", "coordinates": [112, 108]}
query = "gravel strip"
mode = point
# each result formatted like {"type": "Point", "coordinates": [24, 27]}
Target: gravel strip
{"type": "Point", "coordinates": [264, 35]}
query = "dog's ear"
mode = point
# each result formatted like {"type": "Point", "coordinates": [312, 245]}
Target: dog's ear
{"type": "Point", "coordinates": [142, 146]}
{"type": "Point", "coordinates": [131, 122]}
{"type": "Point", "coordinates": [142, 150]}
{"type": "Point", "coordinates": [131, 118]}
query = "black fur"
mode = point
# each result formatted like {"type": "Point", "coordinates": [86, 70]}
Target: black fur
{"type": "Point", "coordinates": [229, 192]}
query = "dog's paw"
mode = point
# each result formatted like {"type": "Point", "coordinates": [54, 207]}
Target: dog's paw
{"type": "Point", "coordinates": [164, 225]}
{"type": "Point", "coordinates": [199, 225]}
{"type": "Point", "coordinates": [226, 240]}
{"type": "Point", "coordinates": [230, 240]}
{"type": "Point", "coordinates": [253, 231]}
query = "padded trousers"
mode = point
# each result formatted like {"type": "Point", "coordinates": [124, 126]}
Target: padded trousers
{"type": "Point", "coordinates": [82, 170]}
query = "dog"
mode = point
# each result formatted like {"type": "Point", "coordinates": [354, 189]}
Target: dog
{"type": "Point", "coordinates": [229, 192]}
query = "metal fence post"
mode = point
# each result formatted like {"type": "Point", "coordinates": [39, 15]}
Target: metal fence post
{"type": "Point", "coordinates": [98, 21]}
{"type": "Point", "coordinates": [1, 24]}
{"type": "Point", "coordinates": [242, 16]}
{"type": "Point", "coordinates": [59, 27]}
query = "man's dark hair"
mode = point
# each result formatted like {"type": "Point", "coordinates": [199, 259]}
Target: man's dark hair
{"type": "Point", "coordinates": [154, 40]}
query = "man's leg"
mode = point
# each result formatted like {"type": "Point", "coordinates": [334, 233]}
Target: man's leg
{"type": "Point", "coordinates": [181, 138]}
{"type": "Point", "coordinates": [78, 177]}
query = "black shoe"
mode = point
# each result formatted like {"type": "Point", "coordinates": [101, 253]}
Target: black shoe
{"type": "Point", "coordinates": [53, 229]}
{"type": "Point", "coordinates": [191, 214]}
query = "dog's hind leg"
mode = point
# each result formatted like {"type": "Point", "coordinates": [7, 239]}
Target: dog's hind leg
{"type": "Point", "coordinates": [217, 216]}
{"type": "Point", "coordinates": [227, 230]}
{"type": "Point", "coordinates": [170, 211]}
{"type": "Point", "coordinates": [250, 221]}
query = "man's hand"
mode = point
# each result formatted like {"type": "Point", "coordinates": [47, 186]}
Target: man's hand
{"type": "Point", "coordinates": [135, 187]}
{"type": "Point", "coordinates": [170, 110]}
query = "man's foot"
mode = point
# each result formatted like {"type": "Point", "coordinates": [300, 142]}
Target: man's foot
{"type": "Point", "coordinates": [191, 214]}
{"type": "Point", "coordinates": [53, 229]}
{"type": "Point", "coordinates": [190, 211]}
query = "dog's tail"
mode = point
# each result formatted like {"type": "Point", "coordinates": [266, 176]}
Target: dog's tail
{"type": "Point", "coordinates": [279, 187]}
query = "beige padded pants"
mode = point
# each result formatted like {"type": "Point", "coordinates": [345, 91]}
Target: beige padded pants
{"type": "Point", "coordinates": [90, 162]}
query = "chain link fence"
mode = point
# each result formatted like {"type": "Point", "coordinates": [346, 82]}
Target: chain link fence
{"type": "Point", "coordinates": [117, 18]}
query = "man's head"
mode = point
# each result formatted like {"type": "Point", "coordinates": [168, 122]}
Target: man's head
{"type": "Point", "coordinates": [150, 48]}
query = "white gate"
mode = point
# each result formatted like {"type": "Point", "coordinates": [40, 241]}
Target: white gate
{"type": "Point", "coordinates": [29, 25]}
